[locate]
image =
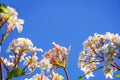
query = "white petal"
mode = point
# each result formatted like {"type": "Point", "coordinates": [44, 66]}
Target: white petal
{"type": "Point", "coordinates": [19, 28]}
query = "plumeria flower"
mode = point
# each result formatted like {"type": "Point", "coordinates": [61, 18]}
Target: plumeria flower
{"type": "Point", "coordinates": [14, 22]}
{"type": "Point", "coordinates": [58, 55]}
{"type": "Point", "coordinates": [31, 62]}
{"type": "Point", "coordinates": [22, 45]}
{"type": "Point", "coordinates": [45, 64]}
{"type": "Point", "coordinates": [56, 76]}
{"type": "Point", "coordinates": [39, 77]}
{"type": "Point", "coordinates": [10, 16]}
{"type": "Point", "coordinates": [97, 49]}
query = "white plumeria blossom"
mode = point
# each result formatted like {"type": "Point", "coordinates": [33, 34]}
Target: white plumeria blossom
{"type": "Point", "coordinates": [11, 17]}
{"type": "Point", "coordinates": [56, 76]}
{"type": "Point", "coordinates": [45, 64]}
{"type": "Point", "coordinates": [97, 49]}
{"type": "Point", "coordinates": [31, 62]}
{"type": "Point", "coordinates": [15, 22]}
{"type": "Point", "coordinates": [38, 77]}
{"type": "Point", "coordinates": [22, 45]}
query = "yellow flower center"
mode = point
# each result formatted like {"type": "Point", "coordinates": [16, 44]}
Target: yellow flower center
{"type": "Point", "coordinates": [39, 78]}
{"type": "Point", "coordinates": [25, 42]}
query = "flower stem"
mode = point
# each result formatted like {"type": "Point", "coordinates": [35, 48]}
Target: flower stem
{"type": "Point", "coordinates": [66, 73]}
{"type": "Point", "coordinates": [1, 72]}
{"type": "Point", "coordinates": [4, 36]}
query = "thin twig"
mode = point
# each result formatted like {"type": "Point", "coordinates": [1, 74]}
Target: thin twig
{"type": "Point", "coordinates": [116, 66]}
{"type": "Point", "coordinates": [96, 52]}
{"type": "Point", "coordinates": [17, 61]}
{"type": "Point", "coordinates": [66, 74]}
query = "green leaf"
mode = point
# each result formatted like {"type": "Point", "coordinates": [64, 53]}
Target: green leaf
{"type": "Point", "coordinates": [16, 73]}
{"type": "Point", "coordinates": [80, 78]}
{"type": "Point", "coordinates": [117, 76]}
{"type": "Point", "coordinates": [2, 8]}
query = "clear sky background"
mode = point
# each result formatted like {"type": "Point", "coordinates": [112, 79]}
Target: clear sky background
{"type": "Point", "coordinates": [67, 22]}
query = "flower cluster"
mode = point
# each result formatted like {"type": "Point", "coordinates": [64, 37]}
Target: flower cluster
{"type": "Point", "coordinates": [22, 45]}
{"type": "Point", "coordinates": [20, 48]}
{"type": "Point", "coordinates": [53, 76]}
{"type": "Point", "coordinates": [55, 57]}
{"type": "Point", "coordinates": [38, 77]}
{"type": "Point", "coordinates": [97, 49]}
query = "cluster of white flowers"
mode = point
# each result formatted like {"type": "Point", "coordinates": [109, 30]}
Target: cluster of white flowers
{"type": "Point", "coordinates": [53, 76]}
{"type": "Point", "coordinates": [38, 77]}
{"type": "Point", "coordinates": [100, 48]}
{"type": "Point", "coordinates": [22, 45]}
{"type": "Point", "coordinates": [56, 57]}
{"type": "Point", "coordinates": [10, 16]}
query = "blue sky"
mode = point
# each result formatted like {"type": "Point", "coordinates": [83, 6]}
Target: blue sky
{"type": "Point", "coordinates": [67, 22]}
